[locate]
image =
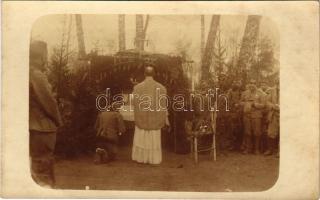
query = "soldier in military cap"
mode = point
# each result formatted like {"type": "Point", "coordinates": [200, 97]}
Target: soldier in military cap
{"type": "Point", "coordinates": [253, 101]}
{"type": "Point", "coordinates": [44, 117]}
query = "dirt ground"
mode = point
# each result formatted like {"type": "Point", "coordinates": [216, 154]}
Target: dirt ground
{"type": "Point", "coordinates": [231, 172]}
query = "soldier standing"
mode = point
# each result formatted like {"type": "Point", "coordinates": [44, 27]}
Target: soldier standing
{"type": "Point", "coordinates": [253, 101]}
{"type": "Point", "coordinates": [273, 117]}
{"type": "Point", "coordinates": [44, 118]}
{"type": "Point", "coordinates": [264, 123]}
{"type": "Point", "coordinates": [234, 96]}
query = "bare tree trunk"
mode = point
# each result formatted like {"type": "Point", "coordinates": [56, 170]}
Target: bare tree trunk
{"type": "Point", "coordinates": [209, 49]}
{"type": "Point", "coordinates": [122, 33]}
{"type": "Point", "coordinates": [202, 35]}
{"type": "Point", "coordinates": [81, 45]}
{"type": "Point", "coordinates": [145, 28]}
{"type": "Point", "coordinates": [139, 33]}
{"type": "Point", "coordinates": [248, 45]}
{"type": "Point", "coordinates": [68, 37]}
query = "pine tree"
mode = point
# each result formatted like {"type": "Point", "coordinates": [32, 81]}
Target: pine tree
{"type": "Point", "coordinates": [59, 70]}
{"type": "Point", "coordinates": [219, 56]}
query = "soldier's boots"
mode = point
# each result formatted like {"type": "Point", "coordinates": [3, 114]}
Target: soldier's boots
{"type": "Point", "coordinates": [101, 156]}
{"type": "Point", "coordinates": [268, 152]}
{"type": "Point", "coordinates": [243, 145]}
{"type": "Point", "coordinates": [271, 146]}
{"type": "Point", "coordinates": [42, 172]}
{"type": "Point", "coordinates": [248, 145]}
{"type": "Point", "coordinates": [257, 145]}
{"type": "Point", "coordinates": [256, 152]}
{"type": "Point", "coordinates": [246, 151]}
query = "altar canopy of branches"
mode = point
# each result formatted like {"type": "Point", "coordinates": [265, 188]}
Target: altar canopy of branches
{"type": "Point", "coordinates": [120, 72]}
{"type": "Point", "coordinates": [117, 72]}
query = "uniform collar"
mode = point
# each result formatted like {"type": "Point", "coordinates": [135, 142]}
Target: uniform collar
{"type": "Point", "coordinates": [148, 78]}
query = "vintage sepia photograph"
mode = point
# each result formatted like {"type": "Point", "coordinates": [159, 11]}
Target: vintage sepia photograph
{"type": "Point", "coordinates": [146, 102]}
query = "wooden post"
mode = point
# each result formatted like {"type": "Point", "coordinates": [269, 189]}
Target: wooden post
{"type": "Point", "coordinates": [214, 131]}
{"type": "Point", "coordinates": [214, 147]}
{"type": "Point", "coordinates": [191, 146]}
{"type": "Point", "coordinates": [195, 140]}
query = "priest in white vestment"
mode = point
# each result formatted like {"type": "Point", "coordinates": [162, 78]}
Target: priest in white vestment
{"type": "Point", "coordinates": [150, 113]}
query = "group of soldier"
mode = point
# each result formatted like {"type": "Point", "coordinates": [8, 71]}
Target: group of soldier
{"type": "Point", "coordinates": [253, 117]}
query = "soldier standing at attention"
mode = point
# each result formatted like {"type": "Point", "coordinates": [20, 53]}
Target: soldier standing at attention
{"type": "Point", "coordinates": [234, 96]}
{"type": "Point", "coordinates": [264, 124]}
{"type": "Point", "coordinates": [253, 101]}
{"type": "Point", "coordinates": [273, 107]}
{"type": "Point", "coordinates": [44, 118]}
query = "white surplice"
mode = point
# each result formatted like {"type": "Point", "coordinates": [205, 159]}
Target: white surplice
{"type": "Point", "coordinates": [147, 146]}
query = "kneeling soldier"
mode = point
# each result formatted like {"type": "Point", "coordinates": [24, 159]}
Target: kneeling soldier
{"type": "Point", "coordinates": [109, 126]}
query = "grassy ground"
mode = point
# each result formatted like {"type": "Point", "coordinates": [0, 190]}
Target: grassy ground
{"type": "Point", "coordinates": [231, 172]}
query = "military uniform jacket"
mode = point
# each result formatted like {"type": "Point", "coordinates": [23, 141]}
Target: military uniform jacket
{"type": "Point", "coordinates": [109, 124]}
{"type": "Point", "coordinates": [272, 103]}
{"type": "Point", "coordinates": [44, 115]}
{"type": "Point", "coordinates": [234, 97]}
{"type": "Point", "coordinates": [253, 103]}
